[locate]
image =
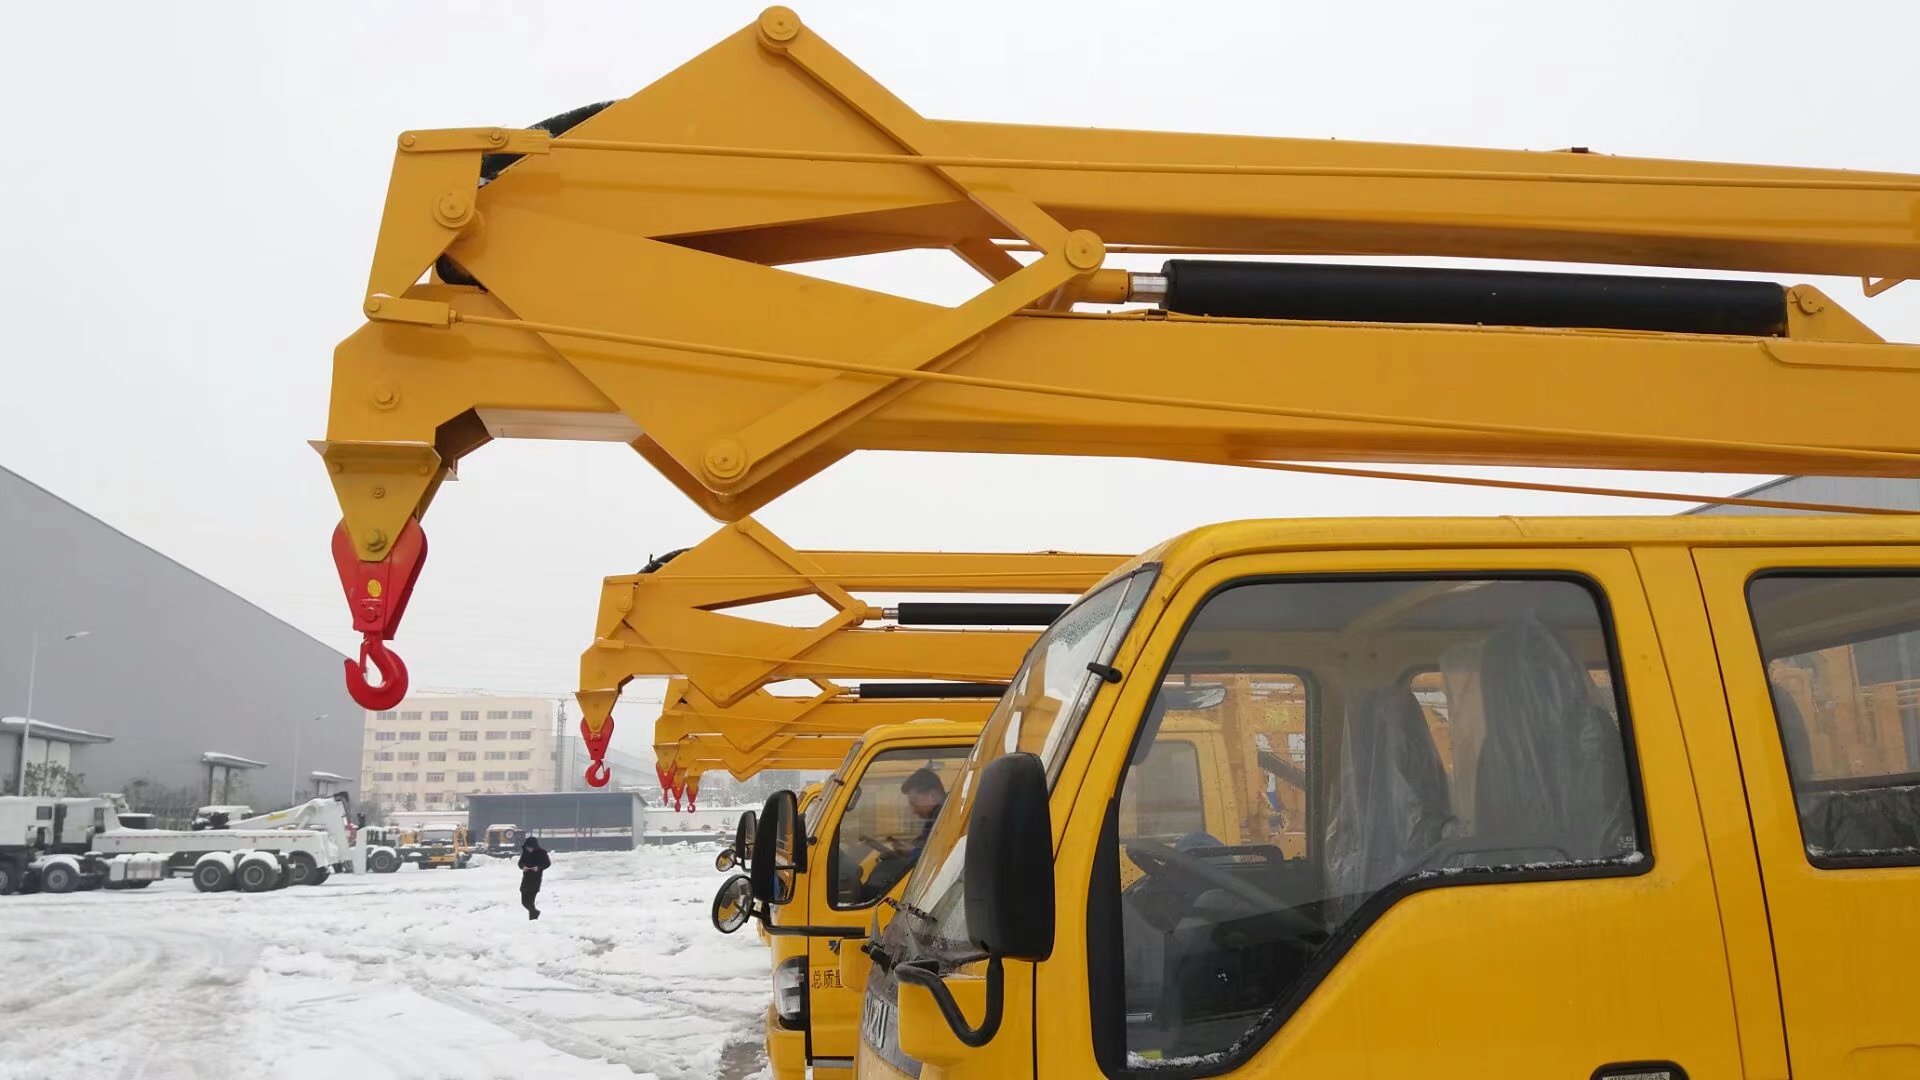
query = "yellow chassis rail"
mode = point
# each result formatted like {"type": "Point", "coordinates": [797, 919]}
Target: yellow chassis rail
{"type": "Point", "coordinates": [628, 289]}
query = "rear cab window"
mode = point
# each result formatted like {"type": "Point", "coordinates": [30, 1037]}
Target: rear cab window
{"type": "Point", "coordinates": [1842, 655]}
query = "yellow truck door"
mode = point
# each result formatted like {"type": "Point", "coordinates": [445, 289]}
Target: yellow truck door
{"type": "Point", "coordinates": [867, 844]}
{"type": "Point", "coordinates": [1461, 901]}
{"type": "Point", "coordinates": [1820, 656]}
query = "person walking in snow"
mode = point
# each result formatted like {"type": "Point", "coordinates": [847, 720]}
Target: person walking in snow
{"type": "Point", "coordinates": [533, 862]}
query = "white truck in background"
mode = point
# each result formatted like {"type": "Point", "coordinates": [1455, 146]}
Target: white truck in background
{"type": "Point", "coordinates": [67, 844]}
{"type": "Point", "coordinates": [46, 844]}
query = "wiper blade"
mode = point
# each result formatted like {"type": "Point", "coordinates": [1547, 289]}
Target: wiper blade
{"type": "Point", "coordinates": [906, 908]}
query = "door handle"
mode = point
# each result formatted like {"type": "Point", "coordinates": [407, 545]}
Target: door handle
{"type": "Point", "coordinates": [1640, 1070]}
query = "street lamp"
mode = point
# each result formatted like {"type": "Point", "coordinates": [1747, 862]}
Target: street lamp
{"type": "Point", "coordinates": [295, 799]}
{"type": "Point", "coordinates": [26, 722]}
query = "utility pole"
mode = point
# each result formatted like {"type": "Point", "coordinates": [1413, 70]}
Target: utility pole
{"type": "Point", "coordinates": [295, 799]}
{"type": "Point", "coordinates": [558, 738]}
{"type": "Point", "coordinates": [26, 722]}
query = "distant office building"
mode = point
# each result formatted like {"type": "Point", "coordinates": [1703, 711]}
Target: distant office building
{"type": "Point", "coordinates": [147, 676]}
{"type": "Point", "coordinates": [432, 752]}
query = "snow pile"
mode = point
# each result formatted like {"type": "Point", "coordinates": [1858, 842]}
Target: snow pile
{"type": "Point", "coordinates": [426, 974]}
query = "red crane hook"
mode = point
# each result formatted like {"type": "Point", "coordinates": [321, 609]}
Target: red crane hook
{"type": "Point", "coordinates": [597, 773]}
{"type": "Point", "coordinates": [393, 676]}
{"type": "Point", "coordinates": [377, 594]}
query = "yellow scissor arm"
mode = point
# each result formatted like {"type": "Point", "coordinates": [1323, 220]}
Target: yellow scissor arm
{"type": "Point", "coordinates": [620, 280]}
{"type": "Point", "coordinates": [681, 617]}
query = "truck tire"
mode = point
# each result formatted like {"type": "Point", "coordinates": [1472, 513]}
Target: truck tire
{"type": "Point", "coordinates": [212, 877]}
{"type": "Point", "coordinates": [11, 875]}
{"type": "Point", "coordinates": [301, 869]}
{"type": "Point", "coordinates": [383, 862]}
{"type": "Point", "coordinates": [255, 876]}
{"type": "Point", "coordinates": [59, 878]}
{"type": "Point", "coordinates": [320, 874]}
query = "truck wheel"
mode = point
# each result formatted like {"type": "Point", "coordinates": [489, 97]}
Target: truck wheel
{"type": "Point", "coordinates": [256, 876]}
{"type": "Point", "coordinates": [320, 874]}
{"type": "Point", "coordinates": [11, 874]}
{"type": "Point", "coordinates": [212, 877]}
{"type": "Point", "coordinates": [59, 878]}
{"type": "Point", "coordinates": [383, 862]}
{"type": "Point", "coordinates": [301, 868]}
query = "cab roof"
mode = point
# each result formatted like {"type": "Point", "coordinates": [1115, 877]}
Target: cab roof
{"type": "Point", "coordinates": [1184, 553]}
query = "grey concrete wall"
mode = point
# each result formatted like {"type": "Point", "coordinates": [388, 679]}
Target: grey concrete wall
{"type": "Point", "coordinates": [175, 665]}
{"type": "Point", "coordinates": [1892, 493]}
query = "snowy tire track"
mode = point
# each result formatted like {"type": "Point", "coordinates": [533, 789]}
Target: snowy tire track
{"type": "Point", "coordinates": [419, 975]}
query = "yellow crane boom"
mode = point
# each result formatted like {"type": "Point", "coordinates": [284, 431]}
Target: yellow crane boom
{"type": "Point", "coordinates": [681, 617]}
{"type": "Point", "coordinates": [763, 731]}
{"type": "Point", "coordinates": [617, 278]}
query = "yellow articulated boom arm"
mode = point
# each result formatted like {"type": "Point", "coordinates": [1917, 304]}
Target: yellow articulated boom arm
{"type": "Point", "coordinates": [695, 735]}
{"type": "Point", "coordinates": [618, 277]}
{"type": "Point", "coordinates": [675, 619]}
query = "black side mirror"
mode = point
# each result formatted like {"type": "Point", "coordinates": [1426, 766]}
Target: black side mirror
{"type": "Point", "coordinates": [777, 854]}
{"type": "Point", "coordinates": [726, 860]}
{"type": "Point", "coordinates": [733, 904]}
{"type": "Point", "coordinates": [743, 835]}
{"type": "Point", "coordinates": [1009, 861]}
{"type": "Point", "coordinates": [1008, 890]}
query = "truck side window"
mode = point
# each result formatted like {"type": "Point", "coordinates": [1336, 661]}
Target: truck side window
{"type": "Point", "coordinates": [1843, 663]}
{"type": "Point", "coordinates": [886, 821]}
{"type": "Point", "coordinates": [1353, 740]}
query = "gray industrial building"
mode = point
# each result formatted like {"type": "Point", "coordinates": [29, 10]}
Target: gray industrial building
{"type": "Point", "coordinates": [565, 820]}
{"type": "Point", "coordinates": [151, 679]}
{"type": "Point", "coordinates": [1889, 493]}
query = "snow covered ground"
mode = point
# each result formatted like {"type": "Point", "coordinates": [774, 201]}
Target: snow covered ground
{"type": "Point", "coordinates": [419, 975]}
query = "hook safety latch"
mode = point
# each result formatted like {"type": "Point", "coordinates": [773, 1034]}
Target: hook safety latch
{"type": "Point", "coordinates": [377, 594]}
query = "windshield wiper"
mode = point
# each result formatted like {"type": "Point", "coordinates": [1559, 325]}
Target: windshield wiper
{"type": "Point", "coordinates": [906, 908]}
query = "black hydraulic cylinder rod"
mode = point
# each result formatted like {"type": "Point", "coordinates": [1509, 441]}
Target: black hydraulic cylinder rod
{"type": "Point", "coordinates": [1320, 292]}
{"type": "Point", "coordinates": [896, 690]}
{"type": "Point", "coordinates": [976, 613]}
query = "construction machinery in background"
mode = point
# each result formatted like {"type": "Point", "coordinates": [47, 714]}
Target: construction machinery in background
{"type": "Point", "coordinates": [46, 845]}
{"type": "Point", "coordinates": [59, 845]}
{"type": "Point", "coordinates": [1602, 682]}
{"type": "Point", "coordinates": [441, 844]}
{"type": "Point", "coordinates": [682, 616]}
{"type": "Point", "coordinates": [502, 841]}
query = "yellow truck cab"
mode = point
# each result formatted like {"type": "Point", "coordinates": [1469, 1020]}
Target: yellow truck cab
{"type": "Point", "coordinates": [862, 836]}
{"type": "Point", "coordinates": [1582, 798]}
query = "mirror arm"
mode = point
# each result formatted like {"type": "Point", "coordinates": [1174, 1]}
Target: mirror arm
{"type": "Point", "coordinates": [950, 1009]}
{"type": "Point", "coordinates": [764, 912]}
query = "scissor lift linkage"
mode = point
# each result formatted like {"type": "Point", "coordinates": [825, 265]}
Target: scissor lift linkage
{"type": "Point", "coordinates": [762, 731]}
{"type": "Point", "coordinates": [677, 619]}
{"type": "Point", "coordinates": [614, 281]}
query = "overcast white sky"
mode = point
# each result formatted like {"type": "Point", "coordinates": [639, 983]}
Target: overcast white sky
{"type": "Point", "coordinates": [191, 199]}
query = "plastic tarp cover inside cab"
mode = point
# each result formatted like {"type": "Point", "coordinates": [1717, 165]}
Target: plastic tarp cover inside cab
{"type": "Point", "coordinates": [1538, 776]}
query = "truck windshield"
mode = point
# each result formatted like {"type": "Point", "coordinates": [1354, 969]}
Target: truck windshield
{"type": "Point", "coordinates": [1039, 714]}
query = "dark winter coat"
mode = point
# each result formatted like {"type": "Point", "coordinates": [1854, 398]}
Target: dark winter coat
{"type": "Point", "coordinates": [533, 859]}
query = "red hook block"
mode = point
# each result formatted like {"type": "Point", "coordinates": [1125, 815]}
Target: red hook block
{"type": "Point", "coordinates": [377, 594]}
{"type": "Point", "coordinates": [597, 773]}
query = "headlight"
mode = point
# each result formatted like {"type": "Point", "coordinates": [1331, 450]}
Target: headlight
{"type": "Point", "coordinates": [790, 992]}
